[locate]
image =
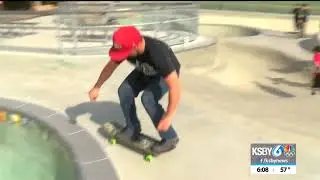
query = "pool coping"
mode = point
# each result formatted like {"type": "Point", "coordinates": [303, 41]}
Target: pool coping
{"type": "Point", "coordinates": [91, 160]}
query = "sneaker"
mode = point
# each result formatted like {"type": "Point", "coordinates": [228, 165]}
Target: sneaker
{"type": "Point", "coordinates": [133, 133]}
{"type": "Point", "coordinates": [136, 136]}
{"type": "Point", "coordinates": [165, 146]}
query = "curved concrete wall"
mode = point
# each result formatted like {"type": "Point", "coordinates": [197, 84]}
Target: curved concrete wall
{"type": "Point", "coordinates": [220, 30]}
{"type": "Point", "coordinates": [245, 66]}
{"type": "Point", "coordinates": [217, 31]}
{"type": "Point", "coordinates": [91, 161]}
{"type": "Point", "coordinates": [310, 43]}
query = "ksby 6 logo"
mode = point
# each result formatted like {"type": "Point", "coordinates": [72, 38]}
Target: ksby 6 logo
{"type": "Point", "coordinates": [277, 151]}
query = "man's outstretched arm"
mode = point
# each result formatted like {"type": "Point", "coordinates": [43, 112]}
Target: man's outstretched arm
{"type": "Point", "coordinates": [174, 86]}
{"type": "Point", "coordinates": [106, 73]}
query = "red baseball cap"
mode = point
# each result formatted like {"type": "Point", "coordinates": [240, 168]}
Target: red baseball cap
{"type": "Point", "coordinates": [124, 39]}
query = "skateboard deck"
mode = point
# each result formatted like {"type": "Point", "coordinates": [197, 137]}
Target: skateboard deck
{"type": "Point", "coordinates": [113, 132]}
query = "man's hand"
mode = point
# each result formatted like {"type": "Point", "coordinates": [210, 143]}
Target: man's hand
{"type": "Point", "coordinates": [164, 124]}
{"type": "Point", "coordinates": [94, 93]}
{"type": "Point", "coordinates": [173, 83]}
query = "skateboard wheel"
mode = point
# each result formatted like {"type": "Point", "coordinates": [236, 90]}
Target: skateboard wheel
{"type": "Point", "coordinates": [148, 157]}
{"type": "Point", "coordinates": [113, 141]}
{"type": "Point", "coordinates": [16, 119]}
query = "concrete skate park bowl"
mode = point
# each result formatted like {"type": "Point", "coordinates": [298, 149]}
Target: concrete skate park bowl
{"type": "Point", "coordinates": [218, 32]}
{"type": "Point", "coordinates": [309, 43]}
{"type": "Point", "coordinates": [221, 30]}
{"type": "Point", "coordinates": [255, 69]}
{"type": "Point", "coordinates": [85, 28]}
{"type": "Point", "coordinates": [37, 143]}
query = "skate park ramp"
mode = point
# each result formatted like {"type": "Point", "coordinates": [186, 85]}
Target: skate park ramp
{"type": "Point", "coordinates": [255, 69]}
{"type": "Point", "coordinates": [309, 43]}
{"type": "Point", "coordinates": [220, 30]}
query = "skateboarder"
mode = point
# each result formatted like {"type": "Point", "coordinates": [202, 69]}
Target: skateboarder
{"type": "Point", "coordinates": [316, 69]}
{"type": "Point", "coordinates": [156, 72]}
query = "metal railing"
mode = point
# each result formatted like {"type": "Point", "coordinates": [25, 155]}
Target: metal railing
{"type": "Point", "coordinates": [80, 26]}
{"type": "Point", "coordinates": [171, 22]}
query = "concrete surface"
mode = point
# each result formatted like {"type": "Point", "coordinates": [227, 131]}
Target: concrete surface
{"type": "Point", "coordinates": [282, 23]}
{"type": "Point", "coordinates": [221, 30]}
{"type": "Point", "coordinates": [309, 43]}
{"type": "Point", "coordinates": [220, 114]}
{"type": "Point", "coordinates": [248, 67]}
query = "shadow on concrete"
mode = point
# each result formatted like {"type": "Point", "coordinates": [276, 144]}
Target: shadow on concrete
{"type": "Point", "coordinates": [308, 44]}
{"type": "Point", "coordinates": [100, 112]}
{"type": "Point", "coordinates": [12, 35]}
{"type": "Point", "coordinates": [273, 61]}
{"type": "Point", "coordinates": [274, 91]}
{"type": "Point", "coordinates": [270, 33]}
{"type": "Point", "coordinates": [278, 81]}
{"type": "Point", "coordinates": [295, 66]}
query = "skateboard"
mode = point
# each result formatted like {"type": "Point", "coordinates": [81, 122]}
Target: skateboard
{"type": "Point", "coordinates": [113, 132]}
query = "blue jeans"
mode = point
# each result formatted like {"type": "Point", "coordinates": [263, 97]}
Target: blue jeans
{"type": "Point", "coordinates": [153, 90]}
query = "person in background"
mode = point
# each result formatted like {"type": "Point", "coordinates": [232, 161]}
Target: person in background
{"type": "Point", "coordinates": [316, 70]}
{"type": "Point", "coordinates": [303, 15]}
{"type": "Point", "coordinates": [295, 16]}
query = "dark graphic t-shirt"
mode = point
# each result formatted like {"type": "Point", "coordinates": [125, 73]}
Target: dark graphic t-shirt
{"type": "Point", "coordinates": [302, 14]}
{"type": "Point", "coordinates": [296, 12]}
{"type": "Point", "coordinates": [158, 59]}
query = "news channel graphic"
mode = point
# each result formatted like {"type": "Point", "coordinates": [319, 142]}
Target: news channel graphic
{"type": "Point", "coordinates": [273, 158]}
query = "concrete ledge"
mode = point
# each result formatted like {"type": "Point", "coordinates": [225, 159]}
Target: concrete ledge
{"type": "Point", "coordinates": [91, 161]}
{"type": "Point", "coordinates": [172, 38]}
{"type": "Point", "coordinates": [227, 30]}
{"type": "Point", "coordinates": [200, 42]}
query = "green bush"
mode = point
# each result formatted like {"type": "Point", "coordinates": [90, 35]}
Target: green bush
{"type": "Point", "coordinates": [50, 2]}
{"type": "Point", "coordinates": [16, 5]}
{"type": "Point", "coordinates": [282, 7]}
